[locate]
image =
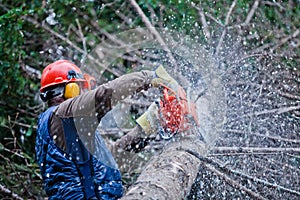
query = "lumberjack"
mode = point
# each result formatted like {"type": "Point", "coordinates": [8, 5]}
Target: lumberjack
{"type": "Point", "coordinates": [74, 161]}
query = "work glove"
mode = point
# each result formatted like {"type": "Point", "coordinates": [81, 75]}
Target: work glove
{"type": "Point", "coordinates": [150, 119]}
{"type": "Point", "coordinates": [161, 77]}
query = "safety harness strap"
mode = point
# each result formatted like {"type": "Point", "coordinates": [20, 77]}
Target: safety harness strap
{"type": "Point", "coordinates": [80, 156]}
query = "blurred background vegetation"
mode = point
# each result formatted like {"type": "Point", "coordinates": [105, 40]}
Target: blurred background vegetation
{"type": "Point", "coordinates": [36, 33]}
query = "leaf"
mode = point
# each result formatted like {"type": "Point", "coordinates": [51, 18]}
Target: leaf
{"type": "Point", "coordinates": [29, 132]}
{"type": "Point", "coordinates": [1, 147]}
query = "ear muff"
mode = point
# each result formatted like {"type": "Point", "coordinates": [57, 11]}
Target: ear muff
{"type": "Point", "coordinates": [71, 90]}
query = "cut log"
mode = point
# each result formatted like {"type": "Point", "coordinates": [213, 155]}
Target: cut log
{"type": "Point", "coordinates": [170, 174]}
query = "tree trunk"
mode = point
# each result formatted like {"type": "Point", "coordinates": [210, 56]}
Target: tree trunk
{"type": "Point", "coordinates": [170, 174]}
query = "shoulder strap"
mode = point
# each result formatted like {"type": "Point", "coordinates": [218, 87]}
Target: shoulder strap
{"type": "Point", "coordinates": [80, 156]}
{"type": "Point", "coordinates": [43, 123]}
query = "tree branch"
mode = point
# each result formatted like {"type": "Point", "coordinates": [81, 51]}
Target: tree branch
{"type": "Point", "coordinates": [228, 170]}
{"type": "Point", "coordinates": [273, 111]}
{"type": "Point", "coordinates": [234, 183]}
{"type": "Point", "coordinates": [96, 61]}
{"type": "Point", "coordinates": [203, 20]}
{"type": "Point", "coordinates": [225, 29]}
{"type": "Point", "coordinates": [154, 32]}
{"type": "Point", "coordinates": [82, 38]}
{"type": "Point", "coordinates": [257, 149]}
{"type": "Point", "coordinates": [251, 13]}
{"type": "Point", "coordinates": [9, 192]}
{"type": "Point", "coordinates": [266, 136]}
{"type": "Point", "coordinates": [18, 109]}
{"type": "Point", "coordinates": [284, 40]}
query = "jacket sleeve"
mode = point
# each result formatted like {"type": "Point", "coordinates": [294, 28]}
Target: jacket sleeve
{"type": "Point", "coordinates": [129, 84]}
{"type": "Point", "coordinates": [101, 100]}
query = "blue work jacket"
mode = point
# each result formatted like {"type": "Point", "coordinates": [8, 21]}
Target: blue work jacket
{"type": "Point", "coordinates": [76, 173]}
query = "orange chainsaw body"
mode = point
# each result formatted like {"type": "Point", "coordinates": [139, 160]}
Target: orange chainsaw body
{"type": "Point", "coordinates": [176, 112]}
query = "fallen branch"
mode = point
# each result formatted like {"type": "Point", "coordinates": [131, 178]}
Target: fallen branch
{"type": "Point", "coordinates": [262, 135]}
{"type": "Point", "coordinates": [284, 40]}
{"type": "Point", "coordinates": [256, 149]}
{"type": "Point", "coordinates": [228, 170]}
{"type": "Point", "coordinates": [7, 191]}
{"type": "Point", "coordinates": [273, 111]}
{"type": "Point", "coordinates": [234, 183]}
{"type": "Point", "coordinates": [257, 180]}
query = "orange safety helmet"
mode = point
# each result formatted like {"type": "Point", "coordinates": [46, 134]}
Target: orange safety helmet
{"type": "Point", "coordinates": [60, 73]}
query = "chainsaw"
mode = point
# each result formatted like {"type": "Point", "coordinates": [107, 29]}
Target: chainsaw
{"type": "Point", "coordinates": [176, 112]}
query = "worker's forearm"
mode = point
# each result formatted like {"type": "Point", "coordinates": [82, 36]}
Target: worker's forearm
{"type": "Point", "coordinates": [129, 84]}
{"type": "Point", "coordinates": [105, 96]}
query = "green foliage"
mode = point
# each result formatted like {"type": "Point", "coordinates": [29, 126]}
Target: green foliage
{"type": "Point", "coordinates": [22, 176]}
{"type": "Point", "coordinates": [11, 49]}
{"type": "Point", "coordinates": [17, 93]}
{"type": "Point", "coordinates": [177, 15]}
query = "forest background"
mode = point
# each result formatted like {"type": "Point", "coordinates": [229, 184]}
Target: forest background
{"type": "Point", "coordinates": [255, 43]}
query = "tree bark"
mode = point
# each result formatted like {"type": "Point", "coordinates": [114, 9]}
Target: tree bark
{"type": "Point", "coordinates": [170, 174]}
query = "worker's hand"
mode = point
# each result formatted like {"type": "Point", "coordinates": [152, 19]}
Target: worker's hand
{"type": "Point", "coordinates": [131, 139]}
{"type": "Point", "coordinates": [162, 77]}
{"type": "Point", "coordinates": [149, 120]}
